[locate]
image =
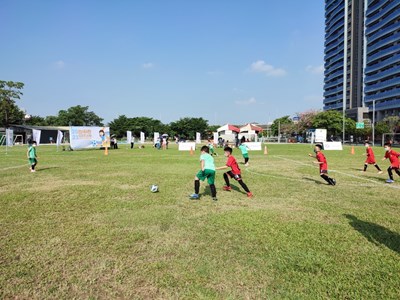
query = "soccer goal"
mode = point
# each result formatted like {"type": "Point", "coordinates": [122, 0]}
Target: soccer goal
{"type": "Point", "coordinates": [393, 138]}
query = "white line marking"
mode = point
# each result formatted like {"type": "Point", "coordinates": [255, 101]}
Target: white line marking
{"type": "Point", "coordinates": [16, 167]}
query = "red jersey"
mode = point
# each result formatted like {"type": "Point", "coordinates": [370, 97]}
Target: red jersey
{"type": "Point", "coordinates": [370, 156]}
{"type": "Point", "coordinates": [321, 158]}
{"type": "Point", "coordinates": [394, 158]}
{"type": "Point", "coordinates": [232, 163]}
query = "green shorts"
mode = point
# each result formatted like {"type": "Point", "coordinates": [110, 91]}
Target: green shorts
{"type": "Point", "coordinates": [246, 155]}
{"type": "Point", "coordinates": [32, 161]}
{"type": "Point", "coordinates": [209, 174]}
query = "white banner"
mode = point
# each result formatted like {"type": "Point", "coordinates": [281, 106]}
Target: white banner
{"type": "Point", "coordinates": [36, 136]}
{"type": "Point", "coordinates": [129, 137]}
{"type": "Point", "coordinates": [333, 146]}
{"type": "Point", "coordinates": [255, 146]}
{"type": "Point", "coordinates": [59, 137]}
{"type": "Point", "coordinates": [198, 138]}
{"type": "Point", "coordinates": [187, 146]}
{"type": "Point", "coordinates": [320, 135]}
{"type": "Point", "coordinates": [9, 137]}
{"type": "Point", "coordinates": [216, 136]}
{"type": "Point", "coordinates": [89, 137]}
{"type": "Point", "coordinates": [156, 136]}
{"type": "Point", "coordinates": [142, 137]}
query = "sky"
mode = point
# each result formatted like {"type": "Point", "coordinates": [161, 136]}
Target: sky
{"type": "Point", "coordinates": [227, 61]}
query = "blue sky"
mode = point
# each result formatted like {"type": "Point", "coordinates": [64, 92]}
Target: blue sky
{"type": "Point", "coordinates": [226, 61]}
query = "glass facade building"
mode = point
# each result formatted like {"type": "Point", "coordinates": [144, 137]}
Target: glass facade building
{"type": "Point", "coordinates": [382, 71]}
{"type": "Point", "coordinates": [362, 57]}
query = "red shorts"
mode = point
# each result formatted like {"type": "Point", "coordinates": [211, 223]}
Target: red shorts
{"type": "Point", "coordinates": [370, 161]}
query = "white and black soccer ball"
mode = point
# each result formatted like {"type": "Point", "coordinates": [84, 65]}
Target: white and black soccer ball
{"type": "Point", "coordinates": [154, 188]}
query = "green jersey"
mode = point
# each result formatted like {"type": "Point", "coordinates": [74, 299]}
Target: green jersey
{"type": "Point", "coordinates": [243, 148]}
{"type": "Point", "coordinates": [32, 152]}
{"type": "Point", "coordinates": [208, 161]}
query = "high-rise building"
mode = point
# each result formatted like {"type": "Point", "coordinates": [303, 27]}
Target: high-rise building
{"type": "Point", "coordinates": [362, 52]}
{"type": "Point", "coordinates": [344, 22]}
{"type": "Point", "coordinates": [382, 72]}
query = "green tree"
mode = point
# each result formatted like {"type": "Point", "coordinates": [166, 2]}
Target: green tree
{"type": "Point", "coordinates": [36, 121]}
{"type": "Point", "coordinates": [9, 112]}
{"type": "Point", "coordinates": [332, 121]}
{"type": "Point", "coordinates": [187, 127]}
{"type": "Point", "coordinates": [51, 121]}
{"type": "Point", "coordinates": [393, 123]}
{"type": "Point", "coordinates": [122, 124]}
{"type": "Point", "coordinates": [284, 124]}
{"type": "Point", "coordinates": [78, 116]}
{"type": "Point", "coordinates": [306, 120]}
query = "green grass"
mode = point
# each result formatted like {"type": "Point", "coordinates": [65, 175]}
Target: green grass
{"type": "Point", "coordinates": [86, 226]}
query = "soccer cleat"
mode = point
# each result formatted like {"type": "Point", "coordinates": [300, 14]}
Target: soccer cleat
{"type": "Point", "coordinates": [215, 199]}
{"type": "Point", "coordinates": [380, 172]}
{"type": "Point", "coordinates": [33, 171]}
{"type": "Point", "coordinates": [194, 196]}
{"type": "Point", "coordinates": [246, 164]}
{"type": "Point", "coordinates": [226, 188]}
{"type": "Point", "coordinates": [389, 181]}
{"type": "Point", "coordinates": [333, 181]}
{"type": "Point", "coordinates": [249, 195]}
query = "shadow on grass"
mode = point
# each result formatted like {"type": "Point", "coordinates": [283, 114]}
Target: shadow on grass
{"type": "Point", "coordinates": [313, 180]}
{"type": "Point", "coordinates": [207, 190]}
{"type": "Point", "coordinates": [46, 168]}
{"type": "Point", "coordinates": [375, 233]}
{"type": "Point", "coordinates": [237, 189]}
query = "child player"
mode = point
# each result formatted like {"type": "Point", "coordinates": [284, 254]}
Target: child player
{"type": "Point", "coordinates": [207, 171]}
{"type": "Point", "coordinates": [323, 165]}
{"type": "Point", "coordinates": [233, 173]}
{"type": "Point", "coordinates": [245, 153]}
{"type": "Point", "coordinates": [370, 158]}
{"type": "Point", "coordinates": [211, 147]}
{"type": "Point", "coordinates": [394, 161]}
{"type": "Point", "coordinates": [32, 157]}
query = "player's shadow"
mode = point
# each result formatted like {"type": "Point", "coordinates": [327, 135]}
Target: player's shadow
{"type": "Point", "coordinates": [46, 168]}
{"type": "Point", "coordinates": [237, 189]}
{"type": "Point", "coordinates": [375, 233]}
{"type": "Point", "coordinates": [313, 180]}
{"type": "Point", "coordinates": [207, 190]}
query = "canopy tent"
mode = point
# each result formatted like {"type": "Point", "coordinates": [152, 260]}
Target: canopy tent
{"type": "Point", "coordinates": [251, 129]}
{"type": "Point", "coordinates": [228, 129]}
{"type": "Point", "coordinates": [250, 132]}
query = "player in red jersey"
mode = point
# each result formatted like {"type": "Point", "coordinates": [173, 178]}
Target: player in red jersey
{"type": "Point", "coordinates": [234, 173]}
{"type": "Point", "coordinates": [370, 158]}
{"type": "Point", "coordinates": [394, 162]}
{"type": "Point", "coordinates": [323, 165]}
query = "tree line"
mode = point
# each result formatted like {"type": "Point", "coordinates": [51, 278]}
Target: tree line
{"type": "Point", "coordinates": [10, 113]}
{"type": "Point", "coordinates": [332, 120]}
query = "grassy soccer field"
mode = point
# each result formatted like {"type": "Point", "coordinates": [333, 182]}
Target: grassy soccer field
{"type": "Point", "coordinates": [86, 226]}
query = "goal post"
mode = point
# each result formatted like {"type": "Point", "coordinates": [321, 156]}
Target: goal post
{"type": "Point", "coordinates": [393, 138]}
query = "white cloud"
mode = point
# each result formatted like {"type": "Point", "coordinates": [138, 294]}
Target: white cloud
{"type": "Point", "coordinates": [148, 65]}
{"type": "Point", "coordinates": [261, 67]}
{"type": "Point", "coordinates": [315, 69]}
{"type": "Point", "coordinates": [249, 101]}
{"type": "Point", "coordinates": [59, 64]}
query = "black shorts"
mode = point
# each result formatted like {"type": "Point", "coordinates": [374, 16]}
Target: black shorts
{"type": "Point", "coordinates": [234, 176]}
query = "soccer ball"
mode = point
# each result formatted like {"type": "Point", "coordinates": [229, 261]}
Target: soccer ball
{"type": "Point", "coordinates": [154, 188]}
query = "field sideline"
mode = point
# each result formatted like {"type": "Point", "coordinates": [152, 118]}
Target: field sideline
{"type": "Point", "coordinates": [86, 226]}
